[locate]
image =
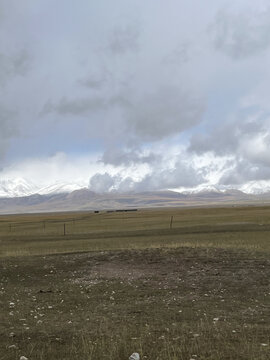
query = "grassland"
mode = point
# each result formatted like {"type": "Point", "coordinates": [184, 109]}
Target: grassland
{"type": "Point", "coordinates": [101, 286]}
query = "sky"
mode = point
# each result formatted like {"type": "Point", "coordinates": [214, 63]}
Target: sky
{"type": "Point", "coordinates": [135, 95]}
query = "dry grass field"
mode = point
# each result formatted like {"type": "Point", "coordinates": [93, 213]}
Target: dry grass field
{"type": "Point", "coordinates": [101, 286]}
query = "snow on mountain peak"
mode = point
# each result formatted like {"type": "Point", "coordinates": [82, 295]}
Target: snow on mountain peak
{"type": "Point", "coordinates": [59, 188]}
{"type": "Point", "coordinates": [204, 188]}
{"type": "Point", "coordinates": [16, 187]}
{"type": "Point", "coordinates": [256, 187]}
{"type": "Point", "coordinates": [19, 187]}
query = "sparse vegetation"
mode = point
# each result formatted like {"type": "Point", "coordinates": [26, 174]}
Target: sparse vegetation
{"type": "Point", "coordinates": [120, 282]}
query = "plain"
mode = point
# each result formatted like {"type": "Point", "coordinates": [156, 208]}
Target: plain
{"type": "Point", "coordinates": [167, 283]}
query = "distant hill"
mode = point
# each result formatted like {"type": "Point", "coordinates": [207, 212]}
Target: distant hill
{"type": "Point", "coordinates": [85, 199]}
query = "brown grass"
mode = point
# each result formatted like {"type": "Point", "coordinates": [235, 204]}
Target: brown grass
{"type": "Point", "coordinates": [120, 282]}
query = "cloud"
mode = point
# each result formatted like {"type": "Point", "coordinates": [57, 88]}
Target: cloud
{"type": "Point", "coordinates": [8, 128]}
{"type": "Point", "coordinates": [124, 39]}
{"type": "Point", "coordinates": [180, 55]}
{"type": "Point", "coordinates": [243, 172]}
{"type": "Point", "coordinates": [97, 80]}
{"type": "Point", "coordinates": [147, 117]}
{"type": "Point", "coordinates": [84, 105]}
{"type": "Point", "coordinates": [162, 113]}
{"type": "Point", "coordinates": [246, 140]}
{"type": "Point", "coordinates": [6, 123]}
{"type": "Point", "coordinates": [181, 175]}
{"type": "Point", "coordinates": [101, 183]}
{"type": "Point", "coordinates": [79, 106]}
{"type": "Point", "coordinates": [109, 80]}
{"type": "Point", "coordinates": [230, 136]}
{"type": "Point", "coordinates": [129, 157]}
{"type": "Point", "coordinates": [221, 141]}
{"type": "Point", "coordinates": [93, 83]}
{"type": "Point", "coordinates": [11, 65]}
{"type": "Point", "coordinates": [241, 35]}
{"type": "Point", "coordinates": [256, 148]}
{"type": "Point", "coordinates": [59, 167]}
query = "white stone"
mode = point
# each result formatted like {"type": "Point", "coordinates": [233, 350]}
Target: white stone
{"type": "Point", "coordinates": [134, 356]}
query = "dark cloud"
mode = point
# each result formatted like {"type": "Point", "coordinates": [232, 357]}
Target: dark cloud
{"type": "Point", "coordinates": [21, 63]}
{"type": "Point", "coordinates": [79, 106]}
{"type": "Point", "coordinates": [180, 55]}
{"type": "Point", "coordinates": [164, 112]}
{"type": "Point", "coordinates": [241, 35]}
{"type": "Point", "coordinates": [85, 105]}
{"type": "Point", "coordinates": [8, 128]}
{"type": "Point", "coordinates": [97, 81]}
{"type": "Point", "coordinates": [124, 39]}
{"type": "Point", "coordinates": [119, 157]}
{"type": "Point", "coordinates": [221, 141]}
{"type": "Point", "coordinates": [6, 123]}
{"type": "Point", "coordinates": [148, 117]}
{"type": "Point", "coordinates": [226, 139]}
{"type": "Point", "coordinates": [13, 65]}
{"type": "Point", "coordinates": [93, 83]}
{"type": "Point", "coordinates": [243, 172]}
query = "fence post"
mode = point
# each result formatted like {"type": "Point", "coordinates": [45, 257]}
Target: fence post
{"type": "Point", "coordinates": [171, 222]}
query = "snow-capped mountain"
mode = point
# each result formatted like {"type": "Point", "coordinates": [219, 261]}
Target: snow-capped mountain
{"type": "Point", "coordinates": [16, 187]}
{"type": "Point", "coordinates": [250, 188]}
{"type": "Point", "coordinates": [59, 188]}
{"type": "Point", "coordinates": [62, 197]}
{"type": "Point", "coordinates": [256, 187]}
{"type": "Point", "coordinates": [19, 187]}
{"type": "Point", "coordinates": [203, 189]}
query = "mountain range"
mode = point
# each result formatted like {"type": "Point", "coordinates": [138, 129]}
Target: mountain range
{"type": "Point", "coordinates": [19, 187]}
{"type": "Point", "coordinates": [20, 196]}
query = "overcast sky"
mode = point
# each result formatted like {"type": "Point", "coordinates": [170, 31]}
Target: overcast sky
{"type": "Point", "coordinates": [135, 95]}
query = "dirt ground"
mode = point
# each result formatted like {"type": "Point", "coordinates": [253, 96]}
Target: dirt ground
{"type": "Point", "coordinates": [212, 303]}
